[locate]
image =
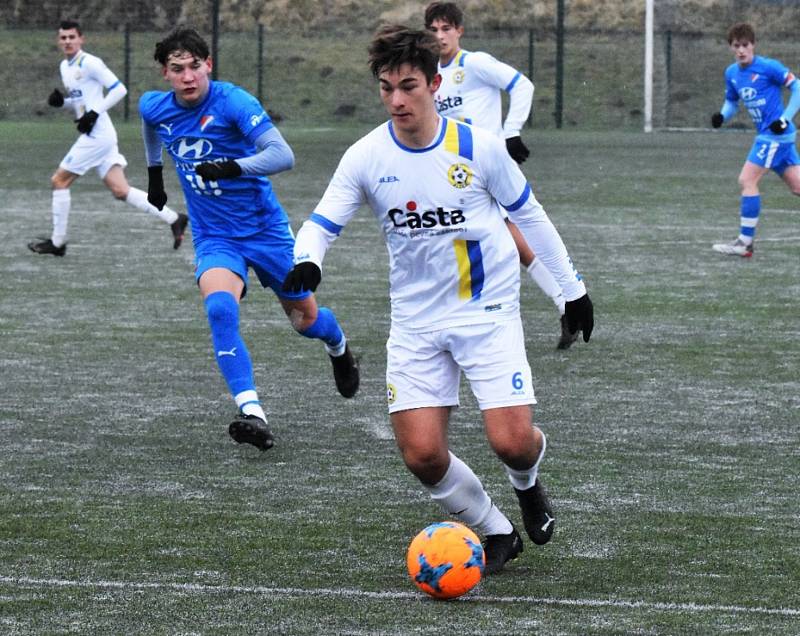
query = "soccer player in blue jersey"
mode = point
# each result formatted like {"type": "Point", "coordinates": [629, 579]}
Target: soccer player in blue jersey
{"type": "Point", "coordinates": [471, 90]}
{"type": "Point", "coordinates": [436, 187]}
{"type": "Point", "coordinates": [91, 91]}
{"type": "Point", "coordinates": [223, 145]}
{"type": "Point", "coordinates": [759, 82]}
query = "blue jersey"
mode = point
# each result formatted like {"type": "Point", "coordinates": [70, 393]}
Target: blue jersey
{"type": "Point", "coordinates": [760, 86]}
{"type": "Point", "coordinates": [223, 126]}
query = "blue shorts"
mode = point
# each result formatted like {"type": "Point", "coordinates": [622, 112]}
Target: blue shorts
{"type": "Point", "coordinates": [270, 253]}
{"type": "Point", "coordinates": [773, 155]}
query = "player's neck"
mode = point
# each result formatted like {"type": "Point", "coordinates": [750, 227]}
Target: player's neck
{"type": "Point", "coordinates": [421, 137]}
{"type": "Point", "coordinates": [74, 55]}
{"type": "Point", "coordinates": [444, 61]}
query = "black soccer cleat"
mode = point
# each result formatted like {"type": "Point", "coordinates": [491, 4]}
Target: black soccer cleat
{"type": "Point", "coordinates": [46, 246]}
{"type": "Point", "coordinates": [537, 513]}
{"type": "Point", "coordinates": [345, 372]}
{"type": "Point", "coordinates": [500, 549]}
{"type": "Point", "coordinates": [567, 338]}
{"type": "Point", "coordinates": [178, 230]}
{"type": "Point", "coordinates": [251, 429]}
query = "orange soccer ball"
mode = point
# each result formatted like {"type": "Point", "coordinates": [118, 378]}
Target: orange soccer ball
{"type": "Point", "coordinates": [446, 560]}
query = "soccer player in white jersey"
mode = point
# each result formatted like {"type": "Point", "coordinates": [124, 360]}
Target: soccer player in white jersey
{"type": "Point", "coordinates": [85, 77]}
{"type": "Point", "coordinates": [436, 187]}
{"type": "Point", "coordinates": [471, 90]}
{"type": "Point", "coordinates": [759, 82]}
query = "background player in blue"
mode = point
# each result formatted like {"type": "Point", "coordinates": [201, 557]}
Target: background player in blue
{"type": "Point", "coordinates": [759, 82]}
{"type": "Point", "coordinates": [223, 143]}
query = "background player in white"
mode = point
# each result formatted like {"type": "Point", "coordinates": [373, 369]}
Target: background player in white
{"type": "Point", "coordinates": [471, 90]}
{"type": "Point", "coordinates": [759, 82]}
{"type": "Point", "coordinates": [436, 186]}
{"type": "Point", "coordinates": [85, 76]}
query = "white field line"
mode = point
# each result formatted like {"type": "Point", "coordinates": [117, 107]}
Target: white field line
{"type": "Point", "coordinates": [352, 593]}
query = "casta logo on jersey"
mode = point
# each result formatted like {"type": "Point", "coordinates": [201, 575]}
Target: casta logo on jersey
{"type": "Point", "coordinates": [411, 218]}
{"type": "Point", "coordinates": [443, 104]}
{"type": "Point", "coordinates": [191, 148]}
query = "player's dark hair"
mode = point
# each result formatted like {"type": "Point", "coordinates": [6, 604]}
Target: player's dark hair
{"type": "Point", "coordinates": [394, 45]}
{"type": "Point", "coordinates": [445, 11]}
{"type": "Point", "coordinates": [66, 25]}
{"type": "Point", "coordinates": [741, 31]}
{"type": "Point", "coordinates": [181, 39]}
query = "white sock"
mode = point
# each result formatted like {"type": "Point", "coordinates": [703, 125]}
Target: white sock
{"type": "Point", "coordinates": [547, 283]}
{"type": "Point", "coordinates": [61, 205]}
{"type": "Point", "coordinates": [338, 350]}
{"type": "Point", "coordinates": [461, 494]}
{"type": "Point", "coordinates": [524, 479]}
{"type": "Point", "coordinates": [248, 404]}
{"type": "Point", "coordinates": [138, 199]}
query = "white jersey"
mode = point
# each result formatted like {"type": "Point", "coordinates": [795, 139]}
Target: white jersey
{"type": "Point", "coordinates": [470, 91]}
{"type": "Point", "coordinates": [85, 76]}
{"type": "Point", "coordinates": [452, 259]}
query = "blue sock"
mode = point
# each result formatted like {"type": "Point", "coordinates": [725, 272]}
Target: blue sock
{"type": "Point", "coordinates": [229, 348]}
{"type": "Point", "coordinates": [326, 328]}
{"type": "Point", "coordinates": [750, 209]}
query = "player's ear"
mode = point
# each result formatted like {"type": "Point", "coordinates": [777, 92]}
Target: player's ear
{"type": "Point", "coordinates": [436, 82]}
{"type": "Point", "coordinates": [209, 63]}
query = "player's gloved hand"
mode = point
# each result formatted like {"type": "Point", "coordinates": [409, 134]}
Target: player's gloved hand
{"type": "Point", "coordinates": [518, 150]}
{"type": "Point", "coordinates": [87, 121]}
{"type": "Point", "coordinates": [779, 126]}
{"type": "Point", "coordinates": [56, 98]}
{"type": "Point", "coordinates": [304, 276]}
{"type": "Point", "coordinates": [717, 120]}
{"type": "Point", "coordinates": [155, 187]}
{"type": "Point", "coordinates": [216, 170]}
{"type": "Point", "coordinates": [580, 315]}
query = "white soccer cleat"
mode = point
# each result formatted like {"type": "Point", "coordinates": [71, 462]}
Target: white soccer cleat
{"type": "Point", "coordinates": [735, 248]}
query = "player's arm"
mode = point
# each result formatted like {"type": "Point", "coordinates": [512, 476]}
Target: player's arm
{"type": "Point", "coordinates": [727, 111]}
{"type": "Point", "coordinates": [115, 91]}
{"type": "Point", "coordinates": [274, 155]}
{"type": "Point", "coordinates": [340, 202]}
{"type": "Point", "coordinates": [780, 125]}
{"type": "Point", "coordinates": [156, 194]}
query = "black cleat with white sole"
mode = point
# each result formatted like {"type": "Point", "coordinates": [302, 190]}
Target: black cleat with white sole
{"type": "Point", "coordinates": [251, 429]}
{"type": "Point", "coordinates": [46, 246]}
{"type": "Point", "coordinates": [537, 513]}
{"type": "Point", "coordinates": [345, 372]}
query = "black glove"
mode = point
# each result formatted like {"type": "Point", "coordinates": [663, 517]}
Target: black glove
{"type": "Point", "coordinates": [304, 276]}
{"type": "Point", "coordinates": [779, 126]}
{"type": "Point", "coordinates": [717, 120]}
{"type": "Point", "coordinates": [518, 151]}
{"type": "Point", "coordinates": [216, 170]}
{"type": "Point", "coordinates": [155, 187]}
{"type": "Point", "coordinates": [56, 98]}
{"type": "Point", "coordinates": [580, 315]}
{"type": "Point", "coordinates": [86, 123]}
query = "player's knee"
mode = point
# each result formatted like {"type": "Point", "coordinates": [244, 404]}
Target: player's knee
{"type": "Point", "coordinates": [222, 310]}
{"type": "Point", "coordinates": [429, 465]}
{"type": "Point", "coordinates": [57, 183]}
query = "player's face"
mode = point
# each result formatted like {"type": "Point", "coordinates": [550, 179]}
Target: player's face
{"type": "Point", "coordinates": [448, 36]}
{"type": "Point", "coordinates": [69, 41]}
{"type": "Point", "coordinates": [409, 99]}
{"type": "Point", "coordinates": [188, 76]}
{"type": "Point", "coordinates": [743, 51]}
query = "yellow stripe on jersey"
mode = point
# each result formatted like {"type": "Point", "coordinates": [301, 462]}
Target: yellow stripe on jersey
{"type": "Point", "coordinates": [458, 139]}
{"type": "Point", "coordinates": [470, 268]}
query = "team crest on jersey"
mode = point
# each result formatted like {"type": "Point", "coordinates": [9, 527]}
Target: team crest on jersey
{"type": "Point", "coordinates": [205, 120]}
{"type": "Point", "coordinates": [391, 393]}
{"type": "Point", "coordinates": [459, 175]}
{"type": "Point", "coordinates": [754, 77]}
{"type": "Point", "coordinates": [458, 76]}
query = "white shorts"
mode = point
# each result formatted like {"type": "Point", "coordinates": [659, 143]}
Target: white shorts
{"type": "Point", "coordinates": [424, 369]}
{"type": "Point", "coordinates": [93, 152]}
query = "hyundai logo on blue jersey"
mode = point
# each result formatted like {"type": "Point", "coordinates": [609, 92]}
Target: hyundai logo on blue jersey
{"type": "Point", "coordinates": [747, 93]}
{"type": "Point", "coordinates": [191, 148]}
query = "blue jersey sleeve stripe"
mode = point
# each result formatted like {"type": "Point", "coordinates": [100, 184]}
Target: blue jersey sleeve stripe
{"type": "Point", "coordinates": [461, 58]}
{"type": "Point", "coordinates": [465, 141]}
{"type": "Point", "coordinates": [326, 223]}
{"type": "Point", "coordinates": [526, 193]}
{"type": "Point", "coordinates": [114, 85]}
{"type": "Point", "coordinates": [512, 82]}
